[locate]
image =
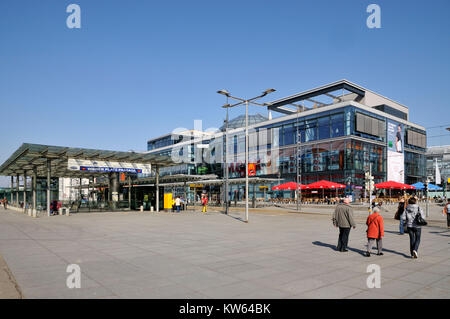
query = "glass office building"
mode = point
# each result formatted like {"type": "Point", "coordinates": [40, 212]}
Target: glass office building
{"type": "Point", "coordinates": [336, 132]}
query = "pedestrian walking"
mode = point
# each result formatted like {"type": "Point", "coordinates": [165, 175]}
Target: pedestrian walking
{"type": "Point", "coordinates": [178, 203]}
{"type": "Point", "coordinates": [204, 202]}
{"type": "Point", "coordinates": [446, 211]}
{"type": "Point", "coordinates": [400, 216]}
{"type": "Point", "coordinates": [375, 231]}
{"type": "Point", "coordinates": [343, 218]}
{"type": "Point", "coordinates": [414, 229]}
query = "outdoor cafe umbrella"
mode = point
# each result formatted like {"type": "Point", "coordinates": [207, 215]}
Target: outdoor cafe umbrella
{"type": "Point", "coordinates": [393, 185]}
{"type": "Point", "coordinates": [289, 186]}
{"type": "Point", "coordinates": [323, 184]}
{"type": "Point", "coordinates": [421, 186]}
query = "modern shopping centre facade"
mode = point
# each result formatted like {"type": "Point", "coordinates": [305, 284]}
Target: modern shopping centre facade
{"type": "Point", "coordinates": [341, 127]}
{"type": "Point", "coordinates": [335, 131]}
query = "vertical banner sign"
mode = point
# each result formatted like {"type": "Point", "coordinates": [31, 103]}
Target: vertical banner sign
{"type": "Point", "coordinates": [251, 169]}
{"type": "Point", "coordinates": [395, 155]}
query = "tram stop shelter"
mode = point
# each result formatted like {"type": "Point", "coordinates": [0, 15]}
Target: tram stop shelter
{"type": "Point", "coordinates": [46, 161]}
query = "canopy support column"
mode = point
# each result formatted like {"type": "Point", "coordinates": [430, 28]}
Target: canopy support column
{"type": "Point", "coordinates": [157, 188]}
{"type": "Point", "coordinates": [49, 168]}
{"type": "Point", "coordinates": [185, 197]}
{"type": "Point", "coordinates": [17, 191]}
{"type": "Point", "coordinates": [33, 185]}
{"type": "Point", "coordinates": [25, 192]}
{"type": "Point", "coordinates": [11, 192]}
{"type": "Point", "coordinates": [129, 191]}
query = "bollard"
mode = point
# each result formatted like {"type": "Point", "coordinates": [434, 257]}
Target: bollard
{"type": "Point", "coordinates": [151, 208]}
{"type": "Point", "coordinates": [142, 208]}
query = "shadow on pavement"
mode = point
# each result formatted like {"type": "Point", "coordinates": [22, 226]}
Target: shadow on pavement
{"type": "Point", "coordinates": [319, 243]}
{"type": "Point", "coordinates": [234, 217]}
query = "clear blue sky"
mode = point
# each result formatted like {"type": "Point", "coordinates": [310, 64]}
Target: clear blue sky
{"type": "Point", "coordinates": [139, 69]}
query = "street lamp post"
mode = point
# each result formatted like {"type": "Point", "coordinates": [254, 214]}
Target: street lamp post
{"type": "Point", "coordinates": [246, 102]}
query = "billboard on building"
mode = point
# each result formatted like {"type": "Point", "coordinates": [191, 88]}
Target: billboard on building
{"type": "Point", "coordinates": [395, 154]}
{"type": "Point", "coordinates": [105, 166]}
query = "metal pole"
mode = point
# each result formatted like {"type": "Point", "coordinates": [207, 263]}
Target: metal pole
{"type": "Point", "coordinates": [17, 190]}
{"type": "Point", "coordinates": [34, 185]}
{"type": "Point", "coordinates": [25, 192]}
{"type": "Point", "coordinates": [157, 188]}
{"type": "Point", "coordinates": [246, 161]}
{"type": "Point", "coordinates": [370, 186]}
{"type": "Point", "coordinates": [427, 208]}
{"type": "Point", "coordinates": [226, 163]}
{"type": "Point", "coordinates": [48, 185]}
{"type": "Point", "coordinates": [129, 191]}
{"type": "Point", "coordinates": [296, 161]}
{"type": "Point", "coordinates": [11, 192]}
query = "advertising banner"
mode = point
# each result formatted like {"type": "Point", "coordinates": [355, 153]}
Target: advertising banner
{"type": "Point", "coordinates": [104, 166]}
{"type": "Point", "coordinates": [395, 156]}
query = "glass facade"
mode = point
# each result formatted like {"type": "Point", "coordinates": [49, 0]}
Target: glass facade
{"type": "Point", "coordinates": [331, 148]}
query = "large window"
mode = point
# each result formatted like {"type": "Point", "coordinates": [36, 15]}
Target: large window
{"type": "Point", "coordinates": [324, 127]}
{"type": "Point", "coordinates": [416, 139]}
{"type": "Point", "coordinates": [288, 134]}
{"type": "Point", "coordinates": [337, 125]}
{"type": "Point", "coordinates": [369, 125]}
{"type": "Point", "coordinates": [310, 130]}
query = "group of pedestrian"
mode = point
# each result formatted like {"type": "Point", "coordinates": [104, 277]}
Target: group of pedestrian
{"type": "Point", "coordinates": [177, 203]}
{"type": "Point", "coordinates": [411, 216]}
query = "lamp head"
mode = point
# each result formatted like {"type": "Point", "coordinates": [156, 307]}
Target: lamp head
{"type": "Point", "coordinates": [268, 91]}
{"type": "Point", "coordinates": [224, 92]}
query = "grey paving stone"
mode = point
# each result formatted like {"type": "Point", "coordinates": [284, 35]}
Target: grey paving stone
{"type": "Point", "coordinates": [133, 255]}
{"type": "Point", "coordinates": [332, 292]}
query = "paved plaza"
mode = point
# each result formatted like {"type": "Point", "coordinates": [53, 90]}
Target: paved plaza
{"type": "Point", "coordinates": [278, 254]}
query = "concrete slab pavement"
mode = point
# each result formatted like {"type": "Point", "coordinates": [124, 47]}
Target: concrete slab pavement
{"type": "Point", "coordinates": [194, 255]}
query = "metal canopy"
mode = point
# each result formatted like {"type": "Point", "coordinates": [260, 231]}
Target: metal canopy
{"type": "Point", "coordinates": [31, 157]}
{"type": "Point", "coordinates": [280, 105]}
{"type": "Point", "coordinates": [181, 178]}
{"type": "Point", "coordinates": [232, 181]}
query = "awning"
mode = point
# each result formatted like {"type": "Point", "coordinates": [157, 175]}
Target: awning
{"type": "Point", "coordinates": [31, 157]}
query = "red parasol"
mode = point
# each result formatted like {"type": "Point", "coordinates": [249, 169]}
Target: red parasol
{"type": "Point", "coordinates": [325, 185]}
{"type": "Point", "coordinates": [393, 185]}
{"type": "Point", "coordinates": [290, 186]}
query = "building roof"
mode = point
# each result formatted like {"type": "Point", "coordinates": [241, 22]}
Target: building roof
{"type": "Point", "coordinates": [34, 156]}
{"type": "Point", "coordinates": [332, 93]}
{"type": "Point", "coordinates": [438, 150]}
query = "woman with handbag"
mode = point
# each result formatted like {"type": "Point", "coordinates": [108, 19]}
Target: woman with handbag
{"type": "Point", "coordinates": [415, 219]}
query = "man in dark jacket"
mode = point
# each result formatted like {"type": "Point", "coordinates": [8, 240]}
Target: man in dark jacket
{"type": "Point", "coordinates": [343, 218]}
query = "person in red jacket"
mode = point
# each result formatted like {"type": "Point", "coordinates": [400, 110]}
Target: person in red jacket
{"type": "Point", "coordinates": [375, 231]}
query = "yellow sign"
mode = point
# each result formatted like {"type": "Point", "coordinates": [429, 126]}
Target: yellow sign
{"type": "Point", "coordinates": [168, 201]}
{"type": "Point", "coordinates": [196, 185]}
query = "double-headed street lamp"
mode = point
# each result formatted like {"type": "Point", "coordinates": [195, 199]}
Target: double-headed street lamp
{"type": "Point", "coordinates": [246, 102]}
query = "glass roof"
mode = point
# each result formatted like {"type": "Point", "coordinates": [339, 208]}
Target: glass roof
{"type": "Point", "coordinates": [239, 121]}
